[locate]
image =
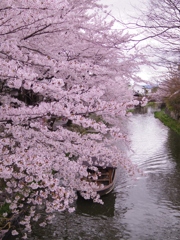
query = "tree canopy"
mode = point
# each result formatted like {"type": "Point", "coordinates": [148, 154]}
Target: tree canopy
{"type": "Point", "coordinates": [160, 22]}
{"type": "Point", "coordinates": [62, 67]}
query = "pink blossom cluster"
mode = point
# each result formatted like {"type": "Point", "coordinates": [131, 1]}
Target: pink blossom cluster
{"type": "Point", "coordinates": [59, 60]}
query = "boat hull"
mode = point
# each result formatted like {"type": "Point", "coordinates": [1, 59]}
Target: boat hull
{"type": "Point", "coordinates": [105, 181]}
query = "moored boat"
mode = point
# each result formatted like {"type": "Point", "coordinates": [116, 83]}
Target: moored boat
{"type": "Point", "coordinates": [104, 177]}
{"type": "Point", "coordinates": [105, 180]}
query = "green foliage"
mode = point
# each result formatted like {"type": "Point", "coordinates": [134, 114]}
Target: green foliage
{"type": "Point", "coordinates": [2, 184]}
{"type": "Point", "coordinates": [98, 118]}
{"type": "Point", "coordinates": [131, 110]}
{"type": "Point", "coordinates": [168, 121]}
{"type": "Point", "coordinates": [151, 104]}
{"type": "Point", "coordinates": [4, 208]}
{"type": "Point", "coordinates": [79, 129]}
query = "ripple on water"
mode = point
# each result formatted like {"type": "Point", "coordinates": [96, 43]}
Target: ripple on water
{"type": "Point", "coordinates": [158, 163]}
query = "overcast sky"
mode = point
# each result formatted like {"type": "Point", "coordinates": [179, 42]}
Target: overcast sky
{"type": "Point", "coordinates": [123, 10]}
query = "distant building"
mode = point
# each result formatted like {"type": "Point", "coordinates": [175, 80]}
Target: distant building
{"type": "Point", "coordinates": [138, 89]}
{"type": "Point", "coordinates": [142, 89]}
{"type": "Point", "coordinates": [149, 88]}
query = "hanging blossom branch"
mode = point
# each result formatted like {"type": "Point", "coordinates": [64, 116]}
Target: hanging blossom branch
{"type": "Point", "coordinates": [50, 88]}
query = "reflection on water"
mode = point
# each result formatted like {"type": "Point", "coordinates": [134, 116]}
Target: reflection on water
{"type": "Point", "coordinates": [154, 199]}
{"type": "Point", "coordinates": [87, 207]}
{"type": "Point", "coordinates": [173, 144]}
{"type": "Point", "coordinates": [149, 143]}
{"type": "Point", "coordinates": [147, 208]}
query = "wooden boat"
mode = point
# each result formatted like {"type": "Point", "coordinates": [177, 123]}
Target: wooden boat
{"type": "Point", "coordinates": [105, 178]}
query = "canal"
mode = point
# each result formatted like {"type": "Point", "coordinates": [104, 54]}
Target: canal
{"type": "Point", "coordinates": [142, 207]}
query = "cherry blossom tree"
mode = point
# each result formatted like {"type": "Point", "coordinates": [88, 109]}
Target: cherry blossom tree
{"type": "Point", "coordinates": [170, 93]}
{"type": "Point", "coordinates": [62, 66]}
{"type": "Point", "coordinates": [159, 26]}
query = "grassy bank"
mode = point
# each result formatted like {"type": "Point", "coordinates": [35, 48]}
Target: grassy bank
{"type": "Point", "coordinates": [168, 121]}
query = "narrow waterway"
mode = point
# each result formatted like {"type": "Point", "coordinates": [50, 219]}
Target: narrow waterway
{"type": "Point", "coordinates": [143, 208]}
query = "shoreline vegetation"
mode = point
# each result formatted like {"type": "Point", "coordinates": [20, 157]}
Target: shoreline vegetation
{"type": "Point", "coordinates": [161, 114]}
{"type": "Point", "coordinates": [168, 121]}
